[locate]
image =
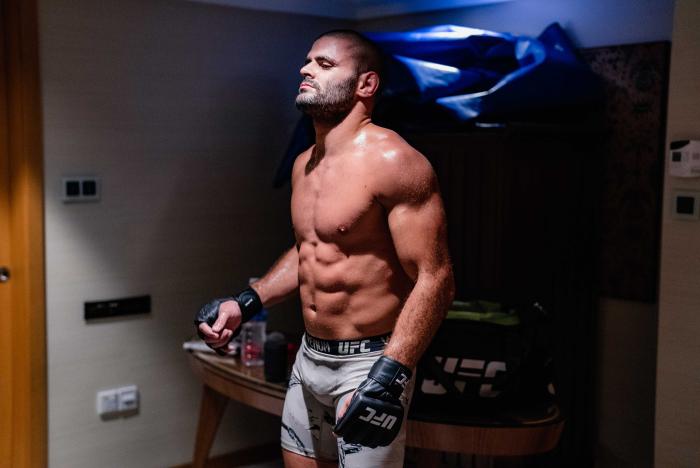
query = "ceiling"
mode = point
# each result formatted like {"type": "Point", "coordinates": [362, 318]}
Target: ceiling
{"type": "Point", "coordinates": [351, 9]}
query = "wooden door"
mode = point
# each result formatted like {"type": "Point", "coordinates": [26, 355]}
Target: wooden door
{"type": "Point", "coordinates": [5, 287]}
{"type": "Point", "coordinates": [22, 295]}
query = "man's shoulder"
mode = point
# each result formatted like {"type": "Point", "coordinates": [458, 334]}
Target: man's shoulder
{"type": "Point", "coordinates": [400, 169]}
{"type": "Point", "coordinates": [304, 156]}
{"type": "Point", "coordinates": [392, 152]}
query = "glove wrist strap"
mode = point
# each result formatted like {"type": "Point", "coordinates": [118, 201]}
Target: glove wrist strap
{"type": "Point", "coordinates": [391, 374]}
{"type": "Point", "coordinates": [249, 302]}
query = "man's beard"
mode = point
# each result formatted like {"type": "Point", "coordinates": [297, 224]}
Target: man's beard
{"type": "Point", "coordinates": [331, 106]}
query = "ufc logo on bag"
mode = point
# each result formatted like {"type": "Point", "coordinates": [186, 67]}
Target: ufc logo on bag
{"type": "Point", "coordinates": [465, 368]}
{"type": "Point", "coordinates": [383, 420]}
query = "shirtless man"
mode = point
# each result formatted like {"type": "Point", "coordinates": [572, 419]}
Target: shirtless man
{"type": "Point", "coordinates": [370, 264]}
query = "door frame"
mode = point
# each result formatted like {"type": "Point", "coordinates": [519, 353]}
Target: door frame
{"type": "Point", "coordinates": [23, 376]}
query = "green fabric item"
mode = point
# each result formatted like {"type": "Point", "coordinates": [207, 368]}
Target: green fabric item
{"type": "Point", "coordinates": [483, 311]}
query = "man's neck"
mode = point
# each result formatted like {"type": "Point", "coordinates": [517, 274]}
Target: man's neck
{"type": "Point", "coordinates": [333, 136]}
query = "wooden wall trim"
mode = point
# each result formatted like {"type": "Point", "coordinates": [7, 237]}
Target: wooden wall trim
{"type": "Point", "coordinates": [5, 305]}
{"type": "Point", "coordinates": [25, 321]}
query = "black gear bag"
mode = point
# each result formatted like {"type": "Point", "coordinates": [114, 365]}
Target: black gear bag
{"type": "Point", "coordinates": [485, 357]}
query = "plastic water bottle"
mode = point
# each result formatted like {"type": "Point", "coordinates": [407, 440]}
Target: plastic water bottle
{"type": "Point", "coordinates": [253, 340]}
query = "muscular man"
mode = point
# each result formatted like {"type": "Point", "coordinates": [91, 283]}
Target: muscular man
{"type": "Point", "coordinates": [370, 264]}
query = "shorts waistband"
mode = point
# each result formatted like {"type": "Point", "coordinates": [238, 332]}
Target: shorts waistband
{"type": "Point", "coordinates": [347, 347]}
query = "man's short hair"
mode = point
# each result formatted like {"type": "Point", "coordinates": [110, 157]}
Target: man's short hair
{"type": "Point", "coordinates": [367, 54]}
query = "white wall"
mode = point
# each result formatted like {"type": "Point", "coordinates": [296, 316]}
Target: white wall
{"type": "Point", "coordinates": [183, 110]}
{"type": "Point", "coordinates": [678, 374]}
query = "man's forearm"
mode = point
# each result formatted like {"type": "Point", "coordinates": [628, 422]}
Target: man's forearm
{"type": "Point", "coordinates": [420, 317]}
{"type": "Point", "coordinates": [281, 281]}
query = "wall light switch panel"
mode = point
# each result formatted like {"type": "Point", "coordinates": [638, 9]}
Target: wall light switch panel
{"type": "Point", "coordinates": [128, 398]}
{"type": "Point", "coordinates": [81, 189]}
{"type": "Point", "coordinates": [685, 205]}
{"type": "Point", "coordinates": [121, 401]}
{"type": "Point", "coordinates": [107, 402]}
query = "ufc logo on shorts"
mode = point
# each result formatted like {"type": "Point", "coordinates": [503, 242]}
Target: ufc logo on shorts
{"type": "Point", "coordinates": [465, 368]}
{"type": "Point", "coordinates": [383, 420]}
{"type": "Point", "coordinates": [352, 347]}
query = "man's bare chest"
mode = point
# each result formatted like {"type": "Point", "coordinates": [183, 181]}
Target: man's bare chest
{"type": "Point", "coordinates": [335, 204]}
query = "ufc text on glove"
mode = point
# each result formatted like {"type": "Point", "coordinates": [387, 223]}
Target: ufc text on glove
{"type": "Point", "coordinates": [375, 414]}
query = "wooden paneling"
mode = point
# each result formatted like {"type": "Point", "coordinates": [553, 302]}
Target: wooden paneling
{"type": "Point", "coordinates": [23, 342]}
{"type": "Point", "coordinates": [521, 205]}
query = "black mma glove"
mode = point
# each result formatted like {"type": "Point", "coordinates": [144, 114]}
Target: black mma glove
{"type": "Point", "coordinates": [375, 414]}
{"type": "Point", "coordinates": [249, 303]}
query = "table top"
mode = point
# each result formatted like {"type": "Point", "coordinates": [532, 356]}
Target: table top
{"type": "Point", "coordinates": [526, 435]}
{"type": "Point", "coordinates": [234, 369]}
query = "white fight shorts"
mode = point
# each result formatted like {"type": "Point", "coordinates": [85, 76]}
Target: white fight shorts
{"type": "Point", "coordinates": [324, 375]}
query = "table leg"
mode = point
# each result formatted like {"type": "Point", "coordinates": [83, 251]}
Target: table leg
{"type": "Point", "coordinates": [211, 410]}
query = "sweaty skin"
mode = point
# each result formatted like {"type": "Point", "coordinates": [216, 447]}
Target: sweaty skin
{"type": "Point", "coordinates": [351, 280]}
{"type": "Point", "coordinates": [371, 251]}
{"type": "Point", "coordinates": [371, 246]}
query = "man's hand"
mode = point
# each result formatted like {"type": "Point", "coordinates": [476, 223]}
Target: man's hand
{"type": "Point", "coordinates": [218, 322]}
{"type": "Point", "coordinates": [374, 414]}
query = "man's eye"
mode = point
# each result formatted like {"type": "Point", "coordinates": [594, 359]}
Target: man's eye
{"type": "Point", "coordinates": [326, 65]}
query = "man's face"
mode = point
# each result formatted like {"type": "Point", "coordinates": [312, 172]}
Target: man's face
{"type": "Point", "coordinates": [327, 92]}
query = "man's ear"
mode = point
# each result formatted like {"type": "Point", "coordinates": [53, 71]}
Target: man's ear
{"type": "Point", "coordinates": [367, 84]}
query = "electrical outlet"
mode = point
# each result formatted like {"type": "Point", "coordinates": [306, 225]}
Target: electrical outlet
{"type": "Point", "coordinates": [107, 402]}
{"type": "Point", "coordinates": [128, 398]}
{"type": "Point", "coordinates": [115, 401]}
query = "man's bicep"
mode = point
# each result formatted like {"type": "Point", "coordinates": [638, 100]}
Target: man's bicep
{"type": "Point", "coordinates": [419, 233]}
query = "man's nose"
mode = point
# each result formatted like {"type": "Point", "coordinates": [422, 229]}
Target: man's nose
{"type": "Point", "coordinates": [305, 70]}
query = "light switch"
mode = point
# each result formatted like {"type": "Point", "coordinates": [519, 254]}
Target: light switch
{"type": "Point", "coordinates": [685, 205]}
{"type": "Point", "coordinates": [107, 402]}
{"type": "Point", "coordinates": [81, 189]}
{"type": "Point", "coordinates": [128, 398]}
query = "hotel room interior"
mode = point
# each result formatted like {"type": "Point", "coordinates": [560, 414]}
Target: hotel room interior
{"type": "Point", "coordinates": [174, 118]}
